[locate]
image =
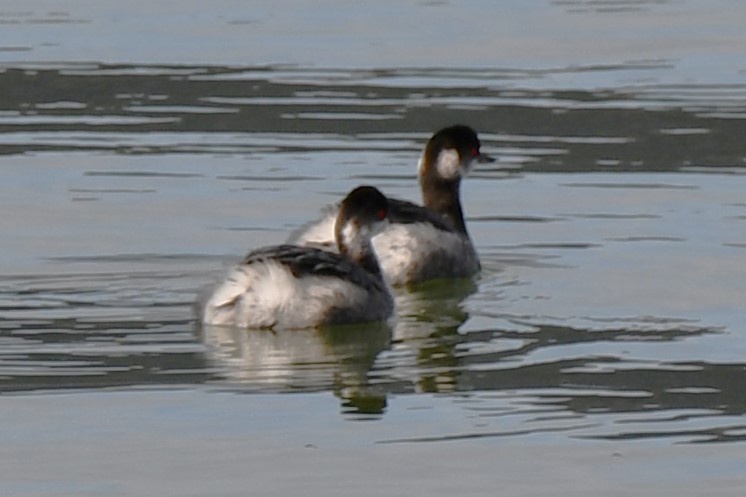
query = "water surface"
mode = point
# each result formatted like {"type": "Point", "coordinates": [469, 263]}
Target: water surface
{"type": "Point", "coordinates": [601, 347]}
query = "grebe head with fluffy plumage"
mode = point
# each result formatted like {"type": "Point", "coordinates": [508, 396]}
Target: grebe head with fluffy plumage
{"type": "Point", "coordinates": [449, 155]}
{"type": "Point", "coordinates": [362, 215]}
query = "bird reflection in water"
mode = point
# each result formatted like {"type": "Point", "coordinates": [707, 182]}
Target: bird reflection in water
{"type": "Point", "coordinates": [344, 359]}
{"type": "Point", "coordinates": [336, 358]}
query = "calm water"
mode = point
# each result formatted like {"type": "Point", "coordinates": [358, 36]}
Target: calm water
{"type": "Point", "coordinates": [601, 351]}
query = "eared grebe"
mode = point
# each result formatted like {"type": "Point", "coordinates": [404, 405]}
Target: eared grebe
{"type": "Point", "coordinates": [287, 286]}
{"type": "Point", "coordinates": [429, 242]}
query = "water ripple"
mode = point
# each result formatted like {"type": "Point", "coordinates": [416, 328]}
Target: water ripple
{"type": "Point", "coordinates": [674, 124]}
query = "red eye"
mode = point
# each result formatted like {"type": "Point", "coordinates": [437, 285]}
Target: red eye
{"type": "Point", "coordinates": [381, 214]}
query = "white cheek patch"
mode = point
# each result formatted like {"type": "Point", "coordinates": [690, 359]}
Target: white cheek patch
{"type": "Point", "coordinates": [357, 239]}
{"type": "Point", "coordinates": [349, 234]}
{"type": "Point", "coordinates": [448, 164]}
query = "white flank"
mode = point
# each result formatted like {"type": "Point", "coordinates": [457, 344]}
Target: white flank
{"type": "Point", "coordinates": [406, 252]}
{"type": "Point", "coordinates": [267, 295]}
{"type": "Point", "coordinates": [319, 232]}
